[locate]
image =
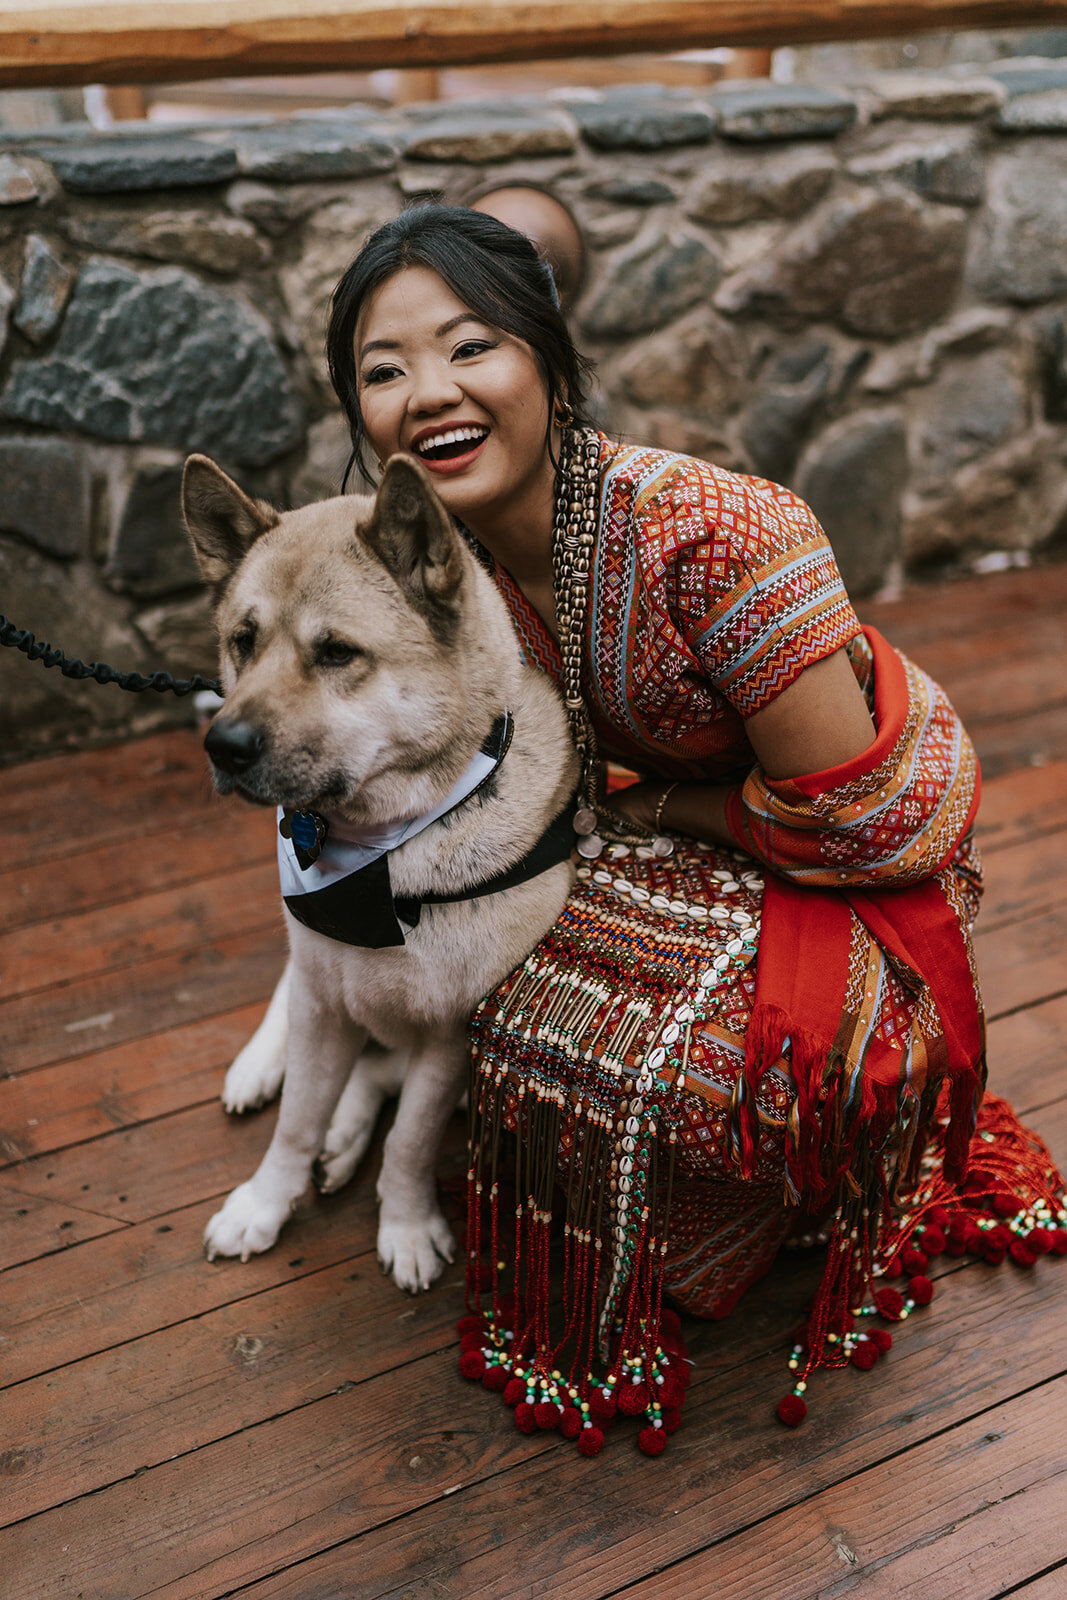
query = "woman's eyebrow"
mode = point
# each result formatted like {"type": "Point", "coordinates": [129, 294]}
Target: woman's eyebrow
{"type": "Point", "coordinates": [439, 333]}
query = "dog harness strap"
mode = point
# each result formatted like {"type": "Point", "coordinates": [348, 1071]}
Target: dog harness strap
{"type": "Point", "coordinates": [555, 845]}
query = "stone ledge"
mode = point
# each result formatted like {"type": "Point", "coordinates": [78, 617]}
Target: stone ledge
{"type": "Point", "coordinates": [757, 110]}
{"type": "Point", "coordinates": [645, 117]}
{"type": "Point", "coordinates": [478, 132]}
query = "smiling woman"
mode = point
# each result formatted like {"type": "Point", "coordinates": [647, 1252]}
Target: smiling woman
{"type": "Point", "coordinates": [784, 1014]}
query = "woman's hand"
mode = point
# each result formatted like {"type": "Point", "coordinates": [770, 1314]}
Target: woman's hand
{"type": "Point", "coordinates": [696, 809]}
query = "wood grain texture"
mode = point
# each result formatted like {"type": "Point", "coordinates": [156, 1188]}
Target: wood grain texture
{"type": "Point", "coordinates": [60, 42]}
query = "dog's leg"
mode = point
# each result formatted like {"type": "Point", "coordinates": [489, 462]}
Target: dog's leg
{"type": "Point", "coordinates": [256, 1074]}
{"type": "Point", "coordinates": [322, 1043]}
{"type": "Point", "coordinates": [414, 1240]}
{"type": "Point", "coordinates": [376, 1075]}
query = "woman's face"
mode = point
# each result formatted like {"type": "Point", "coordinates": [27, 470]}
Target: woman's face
{"type": "Point", "coordinates": [464, 398]}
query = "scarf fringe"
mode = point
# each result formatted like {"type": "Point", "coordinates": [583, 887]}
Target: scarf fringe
{"type": "Point", "coordinates": [1010, 1205]}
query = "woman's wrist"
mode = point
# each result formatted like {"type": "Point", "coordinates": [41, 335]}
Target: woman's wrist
{"type": "Point", "coordinates": [696, 809]}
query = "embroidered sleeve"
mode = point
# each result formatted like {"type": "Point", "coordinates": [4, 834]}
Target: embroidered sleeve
{"type": "Point", "coordinates": [757, 589]}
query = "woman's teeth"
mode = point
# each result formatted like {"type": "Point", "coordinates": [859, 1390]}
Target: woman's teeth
{"type": "Point", "coordinates": [450, 442]}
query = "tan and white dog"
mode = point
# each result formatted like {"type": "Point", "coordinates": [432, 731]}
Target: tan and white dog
{"type": "Point", "coordinates": [368, 665]}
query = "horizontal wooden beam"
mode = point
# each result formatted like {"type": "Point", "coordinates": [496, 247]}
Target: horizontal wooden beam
{"type": "Point", "coordinates": [54, 42]}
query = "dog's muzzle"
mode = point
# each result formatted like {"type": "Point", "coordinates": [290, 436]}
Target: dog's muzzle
{"type": "Point", "coordinates": [234, 746]}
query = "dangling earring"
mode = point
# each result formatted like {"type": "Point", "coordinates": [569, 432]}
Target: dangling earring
{"type": "Point", "coordinates": [562, 413]}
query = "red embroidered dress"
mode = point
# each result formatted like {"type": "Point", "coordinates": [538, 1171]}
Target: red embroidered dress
{"type": "Point", "coordinates": [709, 594]}
{"type": "Point", "coordinates": [788, 1027]}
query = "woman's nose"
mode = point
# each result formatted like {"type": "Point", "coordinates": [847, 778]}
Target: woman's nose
{"type": "Point", "coordinates": [433, 388]}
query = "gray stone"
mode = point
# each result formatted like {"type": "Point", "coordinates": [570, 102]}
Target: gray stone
{"type": "Point", "coordinates": [1012, 499]}
{"type": "Point", "coordinates": [39, 708]}
{"type": "Point", "coordinates": [757, 110]}
{"type": "Point", "coordinates": [1029, 75]}
{"type": "Point", "coordinates": [329, 446]}
{"type": "Point", "coordinates": [791, 398]}
{"type": "Point", "coordinates": [44, 493]}
{"type": "Point", "coordinates": [151, 554]}
{"type": "Point", "coordinates": [1045, 111]}
{"type": "Point", "coordinates": [630, 191]}
{"type": "Point", "coordinates": [934, 96]}
{"type": "Point", "coordinates": [271, 208]}
{"type": "Point", "coordinates": [698, 365]}
{"type": "Point", "coordinates": [17, 184]}
{"type": "Point", "coordinates": [915, 361]}
{"type": "Point", "coordinates": [43, 293]}
{"type": "Point", "coordinates": [949, 169]}
{"type": "Point", "coordinates": [652, 284]}
{"type": "Point", "coordinates": [190, 238]}
{"type": "Point", "coordinates": [181, 636]}
{"type": "Point", "coordinates": [117, 164]}
{"type": "Point", "coordinates": [306, 149]}
{"type": "Point", "coordinates": [478, 134]}
{"type": "Point", "coordinates": [614, 227]}
{"type": "Point", "coordinates": [745, 188]}
{"type": "Point", "coordinates": [642, 123]}
{"type": "Point", "coordinates": [880, 264]}
{"type": "Point", "coordinates": [157, 356]}
{"type": "Point", "coordinates": [1020, 254]}
{"type": "Point", "coordinates": [854, 480]}
{"type": "Point", "coordinates": [977, 403]}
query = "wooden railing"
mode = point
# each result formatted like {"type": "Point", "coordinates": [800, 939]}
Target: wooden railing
{"type": "Point", "coordinates": [54, 42]}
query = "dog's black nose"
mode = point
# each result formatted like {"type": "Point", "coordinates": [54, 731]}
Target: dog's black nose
{"type": "Point", "coordinates": [234, 746]}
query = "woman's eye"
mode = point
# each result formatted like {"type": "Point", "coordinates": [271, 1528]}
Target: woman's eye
{"type": "Point", "coordinates": [336, 653]}
{"type": "Point", "coordinates": [471, 347]}
{"type": "Point", "coordinates": [381, 374]}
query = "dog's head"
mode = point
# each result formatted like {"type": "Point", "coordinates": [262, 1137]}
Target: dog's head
{"type": "Point", "coordinates": [344, 654]}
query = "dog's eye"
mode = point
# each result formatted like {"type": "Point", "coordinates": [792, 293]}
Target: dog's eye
{"type": "Point", "coordinates": [336, 653]}
{"type": "Point", "coordinates": [243, 642]}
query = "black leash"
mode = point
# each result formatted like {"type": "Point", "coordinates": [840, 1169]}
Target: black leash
{"type": "Point", "coordinates": [71, 667]}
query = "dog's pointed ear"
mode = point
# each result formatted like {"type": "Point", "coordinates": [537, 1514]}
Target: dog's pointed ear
{"type": "Point", "coordinates": [412, 534]}
{"type": "Point", "coordinates": [222, 521]}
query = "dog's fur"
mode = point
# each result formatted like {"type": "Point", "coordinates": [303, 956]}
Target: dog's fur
{"type": "Point", "coordinates": [381, 737]}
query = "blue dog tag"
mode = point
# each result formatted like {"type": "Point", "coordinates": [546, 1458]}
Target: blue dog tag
{"type": "Point", "coordinates": [307, 830]}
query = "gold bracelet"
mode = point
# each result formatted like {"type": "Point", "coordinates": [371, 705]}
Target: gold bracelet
{"type": "Point", "coordinates": [657, 815]}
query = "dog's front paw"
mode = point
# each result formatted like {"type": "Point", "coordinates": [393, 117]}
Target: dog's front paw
{"type": "Point", "coordinates": [415, 1252]}
{"type": "Point", "coordinates": [254, 1078]}
{"type": "Point", "coordinates": [246, 1225]}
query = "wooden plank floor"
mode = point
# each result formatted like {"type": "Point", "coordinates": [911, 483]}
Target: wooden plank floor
{"type": "Point", "coordinates": [294, 1428]}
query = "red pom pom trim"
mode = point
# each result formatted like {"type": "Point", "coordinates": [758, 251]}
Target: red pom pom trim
{"type": "Point", "coordinates": [590, 1441]}
{"type": "Point", "coordinates": [525, 1420]}
{"type": "Point", "coordinates": [1020, 1254]}
{"type": "Point", "coordinates": [1059, 1242]}
{"type": "Point", "coordinates": [672, 1418]}
{"type": "Point", "coordinates": [633, 1399]}
{"type": "Point", "coordinates": [570, 1424]}
{"type": "Point", "coordinates": [864, 1355]}
{"type": "Point", "coordinates": [653, 1441]}
{"type": "Point", "coordinates": [933, 1241]}
{"type": "Point", "coordinates": [792, 1410]}
{"type": "Point", "coordinates": [670, 1322]}
{"type": "Point", "coordinates": [471, 1364]}
{"type": "Point", "coordinates": [496, 1379]}
{"type": "Point", "coordinates": [1005, 1204]}
{"type": "Point", "coordinates": [938, 1216]}
{"type": "Point", "coordinates": [671, 1392]}
{"type": "Point", "coordinates": [514, 1391]}
{"type": "Point", "coordinates": [882, 1338]}
{"type": "Point", "coordinates": [921, 1291]}
{"type": "Point", "coordinates": [602, 1406]}
{"type": "Point", "coordinates": [913, 1261]}
{"type": "Point", "coordinates": [1039, 1240]}
{"type": "Point", "coordinates": [472, 1340]}
{"type": "Point", "coordinates": [890, 1303]}
{"type": "Point", "coordinates": [473, 1322]}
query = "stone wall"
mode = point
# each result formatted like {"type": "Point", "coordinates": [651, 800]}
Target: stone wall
{"type": "Point", "coordinates": [861, 293]}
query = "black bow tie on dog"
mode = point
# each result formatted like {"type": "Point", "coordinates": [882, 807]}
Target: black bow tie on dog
{"type": "Point", "coordinates": [361, 909]}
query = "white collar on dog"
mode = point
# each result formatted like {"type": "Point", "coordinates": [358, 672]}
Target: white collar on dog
{"type": "Point", "coordinates": [347, 847]}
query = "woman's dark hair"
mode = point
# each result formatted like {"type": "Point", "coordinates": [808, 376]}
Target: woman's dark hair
{"type": "Point", "coordinates": [494, 270]}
